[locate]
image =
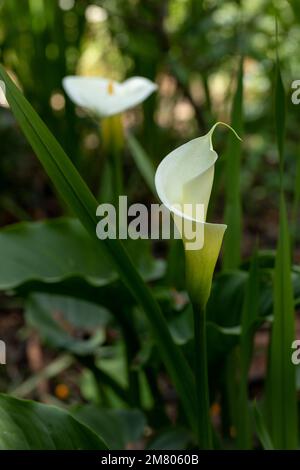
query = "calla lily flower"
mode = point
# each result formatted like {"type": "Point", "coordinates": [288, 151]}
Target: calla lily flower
{"type": "Point", "coordinates": [184, 179]}
{"type": "Point", "coordinates": [104, 97]}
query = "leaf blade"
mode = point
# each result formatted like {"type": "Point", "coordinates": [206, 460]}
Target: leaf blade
{"type": "Point", "coordinates": [27, 425]}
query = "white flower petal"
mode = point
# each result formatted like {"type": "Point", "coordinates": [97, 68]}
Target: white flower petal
{"type": "Point", "coordinates": [185, 176]}
{"type": "Point", "coordinates": [92, 93]}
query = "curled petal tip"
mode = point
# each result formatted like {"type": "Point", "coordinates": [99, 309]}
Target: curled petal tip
{"type": "Point", "coordinates": [228, 126]}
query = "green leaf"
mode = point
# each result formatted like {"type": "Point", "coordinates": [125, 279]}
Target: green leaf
{"type": "Point", "coordinates": [296, 202]}
{"type": "Point", "coordinates": [119, 428]}
{"type": "Point", "coordinates": [281, 388]}
{"type": "Point", "coordinates": [280, 110]}
{"type": "Point", "coordinates": [249, 323]}
{"type": "Point", "coordinates": [281, 396]}
{"type": "Point", "coordinates": [59, 319]}
{"type": "Point", "coordinates": [171, 439]}
{"type": "Point", "coordinates": [27, 425]}
{"type": "Point", "coordinates": [56, 250]}
{"type": "Point", "coordinates": [233, 217]}
{"type": "Point", "coordinates": [76, 194]}
{"type": "Point", "coordinates": [261, 429]}
{"type": "Point", "coordinates": [142, 161]}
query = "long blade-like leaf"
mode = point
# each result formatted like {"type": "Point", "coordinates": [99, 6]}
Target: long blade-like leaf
{"type": "Point", "coordinates": [281, 386]}
{"type": "Point", "coordinates": [76, 194]}
{"type": "Point", "coordinates": [261, 429]}
{"type": "Point", "coordinates": [232, 241]}
{"type": "Point", "coordinates": [280, 115]}
{"type": "Point", "coordinates": [296, 202]}
{"type": "Point", "coordinates": [249, 321]}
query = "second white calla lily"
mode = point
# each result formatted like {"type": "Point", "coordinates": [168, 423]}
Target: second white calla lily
{"type": "Point", "coordinates": [104, 97]}
{"type": "Point", "coordinates": [184, 180]}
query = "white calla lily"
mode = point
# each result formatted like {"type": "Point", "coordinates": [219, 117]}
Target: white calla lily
{"type": "Point", "coordinates": [184, 180]}
{"type": "Point", "coordinates": [104, 97]}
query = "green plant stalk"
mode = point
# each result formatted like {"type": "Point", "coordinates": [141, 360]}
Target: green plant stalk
{"type": "Point", "coordinates": [113, 141]}
{"type": "Point", "coordinates": [233, 219]}
{"type": "Point", "coordinates": [77, 195]}
{"type": "Point", "coordinates": [250, 317]}
{"type": "Point", "coordinates": [233, 211]}
{"type": "Point", "coordinates": [204, 431]}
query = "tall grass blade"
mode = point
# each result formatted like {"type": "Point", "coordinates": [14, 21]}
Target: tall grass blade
{"type": "Point", "coordinates": [249, 322]}
{"type": "Point", "coordinates": [296, 203]}
{"type": "Point", "coordinates": [232, 239]}
{"type": "Point", "coordinates": [261, 429]}
{"type": "Point", "coordinates": [281, 386]}
{"type": "Point", "coordinates": [233, 216]}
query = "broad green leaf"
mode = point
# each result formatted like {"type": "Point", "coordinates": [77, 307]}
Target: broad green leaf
{"type": "Point", "coordinates": [59, 320]}
{"type": "Point", "coordinates": [76, 194]}
{"type": "Point", "coordinates": [171, 439]}
{"type": "Point", "coordinates": [27, 425]}
{"type": "Point", "coordinates": [119, 428]}
{"type": "Point", "coordinates": [55, 250]}
{"type": "Point", "coordinates": [233, 217]}
{"type": "Point", "coordinates": [142, 161]}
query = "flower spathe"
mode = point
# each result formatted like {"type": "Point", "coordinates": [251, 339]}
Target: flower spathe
{"type": "Point", "coordinates": [184, 179]}
{"type": "Point", "coordinates": [104, 97]}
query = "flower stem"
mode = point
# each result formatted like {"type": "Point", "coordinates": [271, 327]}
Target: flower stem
{"type": "Point", "coordinates": [117, 175]}
{"type": "Point", "coordinates": [113, 143]}
{"type": "Point", "coordinates": [201, 375]}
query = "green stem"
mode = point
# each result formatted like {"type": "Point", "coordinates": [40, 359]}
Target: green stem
{"type": "Point", "coordinates": [201, 375]}
{"type": "Point", "coordinates": [117, 174]}
{"type": "Point", "coordinates": [113, 143]}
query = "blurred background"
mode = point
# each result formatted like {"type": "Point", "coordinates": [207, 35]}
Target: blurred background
{"type": "Point", "coordinates": [192, 50]}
